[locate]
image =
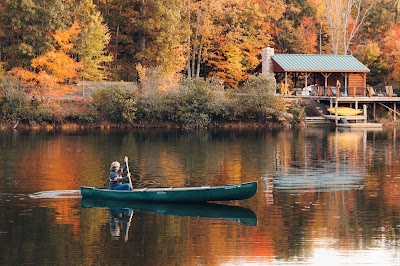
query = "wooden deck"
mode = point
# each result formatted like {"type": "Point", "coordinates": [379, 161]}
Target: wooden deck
{"type": "Point", "coordinates": [349, 99]}
{"type": "Point", "coordinates": [357, 102]}
{"type": "Point", "coordinates": [389, 103]}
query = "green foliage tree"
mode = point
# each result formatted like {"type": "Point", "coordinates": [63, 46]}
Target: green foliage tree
{"type": "Point", "coordinates": [370, 54]}
{"type": "Point", "coordinates": [14, 103]}
{"type": "Point", "coordinates": [296, 29]}
{"type": "Point", "coordinates": [257, 98]}
{"type": "Point", "coordinates": [220, 38]}
{"type": "Point", "coordinates": [25, 27]}
{"type": "Point", "coordinates": [116, 104]}
{"type": "Point", "coordinates": [54, 69]}
{"type": "Point", "coordinates": [197, 102]}
{"type": "Point", "coordinates": [298, 112]}
{"type": "Point", "coordinates": [91, 43]}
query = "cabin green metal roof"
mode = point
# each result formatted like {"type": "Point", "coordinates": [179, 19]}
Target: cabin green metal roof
{"type": "Point", "coordinates": [319, 63]}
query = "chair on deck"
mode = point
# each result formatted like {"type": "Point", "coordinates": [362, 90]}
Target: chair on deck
{"type": "Point", "coordinates": [372, 92]}
{"type": "Point", "coordinates": [310, 90]}
{"type": "Point", "coordinates": [332, 91]}
{"type": "Point", "coordinates": [314, 90]}
{"type": "Point", "coordinates": [389, 91]}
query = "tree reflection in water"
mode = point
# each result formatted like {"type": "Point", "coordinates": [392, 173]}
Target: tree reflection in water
{"type": "Point", "coordinates": [324, 194]}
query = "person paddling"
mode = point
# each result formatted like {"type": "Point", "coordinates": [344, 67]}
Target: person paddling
{"type": "Point", "coordinates": [116, 179]}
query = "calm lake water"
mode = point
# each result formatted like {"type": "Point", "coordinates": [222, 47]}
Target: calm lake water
{"type": "Point", "coordinates": [325, 196]}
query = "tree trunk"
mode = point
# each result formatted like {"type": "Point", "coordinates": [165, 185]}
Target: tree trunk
{"type": "Point", "coordinates": [199, 57]}
{"type": "Point", "coordinates": [189, 71]}
{"type": "Point", "coordinates": [142, 35]}
{"type": "Point", "coordinates": [339, 14]}
{"type": "Point", "coordinates": [194, 43]}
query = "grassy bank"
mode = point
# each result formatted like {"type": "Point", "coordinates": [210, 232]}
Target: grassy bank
{"type": "Point", "coordinates": [195, 103]}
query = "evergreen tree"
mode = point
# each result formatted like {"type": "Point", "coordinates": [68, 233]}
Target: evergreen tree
{"type": "Point", "coordinates": [91, 43]}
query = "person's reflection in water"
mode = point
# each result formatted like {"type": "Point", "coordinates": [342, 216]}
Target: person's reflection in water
{"type": "Point", "coordinates": [120, 221]}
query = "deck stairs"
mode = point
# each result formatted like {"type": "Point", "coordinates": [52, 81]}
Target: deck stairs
{"type": "Point", "coordinates": [314, 112]}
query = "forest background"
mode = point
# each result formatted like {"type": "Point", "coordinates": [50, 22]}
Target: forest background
{"type": "Point", "coordinates": [167, 46]}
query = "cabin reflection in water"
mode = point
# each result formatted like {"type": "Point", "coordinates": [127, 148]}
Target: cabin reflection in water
{"type": "Point", "coordinates": [120, 221]}
{"type": "Point", "coordinates": [322, 163]}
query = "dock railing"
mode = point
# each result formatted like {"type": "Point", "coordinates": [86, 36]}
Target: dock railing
{"type": "Point", "coordinates": [332, 91]}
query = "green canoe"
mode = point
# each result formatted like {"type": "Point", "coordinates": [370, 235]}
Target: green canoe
{"type": "Point", "coordinates": [175, 194]}
{"type": "Point", "coordinates": [200, 210]}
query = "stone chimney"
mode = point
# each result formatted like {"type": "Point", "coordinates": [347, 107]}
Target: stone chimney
{"type": "Point", "coordinates": [267, 67]}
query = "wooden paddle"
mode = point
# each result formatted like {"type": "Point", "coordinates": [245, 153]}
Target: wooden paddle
{"type": "Point", "coordinates": [128, 174]}
{"type": "Point", "coordinates": [127, 226]}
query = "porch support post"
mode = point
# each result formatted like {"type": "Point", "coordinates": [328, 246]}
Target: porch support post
{"type": "Point", "coordinates": [286, 79]}
{"type": "Point", "coordinates": [345, 75]}
{"type": "Point", "coordinates": [306, 75]}
{"type": "Point", "coordinates": [365, 113]}
{"type": "Point", "coordinates": [336, 111]}
{"type": "Point", "coordinates": [365, 83]}
{"type": "Point", "coordinates": [326, 76]}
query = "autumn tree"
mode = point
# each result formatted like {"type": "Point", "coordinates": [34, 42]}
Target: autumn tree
{"type": "Point", "coordinates": [343, 20]}
{"type": "Point", "coordinates": [90, 45]}
{"type": "Point", "coordinates": [245, 31]}
{"type": "Point", "coordinates": [371, 56]}
{"type": "Point", "coordinates": [54, 69]}
{"type": "Point", "coordinates": [147, 32]}
{"type": "Point", "coordinates": [391, 51]}
{"type": "Point", "coordinates": [295, 31]}
{"type": "Point", "coordinates": [376, 24]}
{"type": "Point", "coordinates": [25, 26]}
{"type": "Point", "coordinates": [222, 38]}
{"type": "Point", "coordinates": [199, 22]}
{"type": "Point", "coordinates": [2, 69]}
{"type": "Point", "coordinates": [397, 11]}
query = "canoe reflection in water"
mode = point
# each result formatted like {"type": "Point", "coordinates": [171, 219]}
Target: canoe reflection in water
{"type": "Point", "coordinates": [201, 210]}
{"type": "Point", "coordinates": [120, 221]}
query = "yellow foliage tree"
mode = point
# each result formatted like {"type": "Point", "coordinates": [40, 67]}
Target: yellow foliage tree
{"type": "Point", "coordinates": [141, 72]}
{"type": "Point", "coordinates": [55, 69]}
{"type": "Point", "coordinates": [2, 69]}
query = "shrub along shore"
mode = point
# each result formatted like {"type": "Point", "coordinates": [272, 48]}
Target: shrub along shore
{"type": "Point", "coordinates": [194, 103]}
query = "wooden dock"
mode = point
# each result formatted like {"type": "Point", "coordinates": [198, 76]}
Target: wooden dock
{"type": "Point", "coordinates": [389, 103]}
{"type": "Point", "coordinates": [360, 125]}
{"type": "Point", "coordinates": [316, 120]}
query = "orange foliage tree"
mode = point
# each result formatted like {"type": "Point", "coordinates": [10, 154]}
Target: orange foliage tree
{"type": "Point", "coordinates": [54, 70]}
{"type": "Point", "coordinates": [391, 50]}
{"type": "Point", "coordinates": [238, 32]}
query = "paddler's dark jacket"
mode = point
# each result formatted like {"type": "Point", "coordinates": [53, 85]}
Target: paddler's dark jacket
{"type": "Point", "coordinates": [113, 175]}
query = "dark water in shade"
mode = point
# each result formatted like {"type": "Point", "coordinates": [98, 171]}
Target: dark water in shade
{"type": "Point", "coordinates": [325, 197]}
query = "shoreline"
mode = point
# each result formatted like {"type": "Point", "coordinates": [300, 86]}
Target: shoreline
{"type": "Point", "coordinates": [71, 126]}
{"type": "Point", "coordinates": [68, 126]}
